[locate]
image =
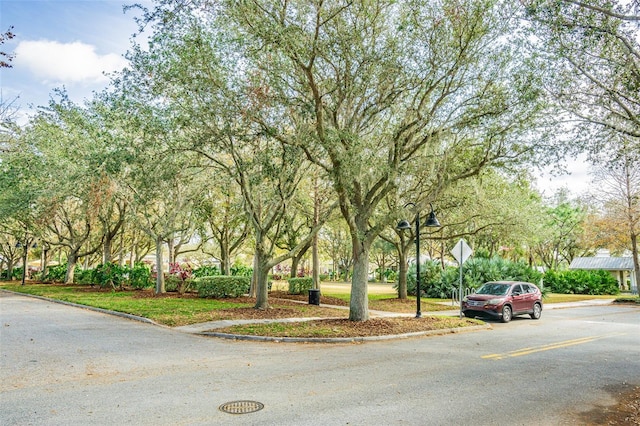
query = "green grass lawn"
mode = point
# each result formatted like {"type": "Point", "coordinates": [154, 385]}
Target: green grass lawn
{"type": "Point", "coordinates": [169, 311]}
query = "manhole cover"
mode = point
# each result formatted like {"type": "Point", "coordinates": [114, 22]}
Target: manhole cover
{"type": "Point", "coordinates": [241, 407]}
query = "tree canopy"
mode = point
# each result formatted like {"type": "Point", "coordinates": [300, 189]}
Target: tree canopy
{"type": "Point", "coordinates": [245, 122]}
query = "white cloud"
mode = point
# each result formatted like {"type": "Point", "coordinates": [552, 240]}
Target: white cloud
{"type": "Point", "coordinates": [577, 179]}
{"type": "Point", "coordinates": [66, 63]}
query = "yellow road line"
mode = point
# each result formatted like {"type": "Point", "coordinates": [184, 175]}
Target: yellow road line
{"type": "Point", "coordinates": [558, 345]}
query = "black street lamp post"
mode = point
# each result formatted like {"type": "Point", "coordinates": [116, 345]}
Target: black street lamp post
{"type": "Point", "coordinates": [403, 225]}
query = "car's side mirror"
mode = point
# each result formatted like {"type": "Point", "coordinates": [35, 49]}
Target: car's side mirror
{"type": "Point", "coordinates": [516, 293]}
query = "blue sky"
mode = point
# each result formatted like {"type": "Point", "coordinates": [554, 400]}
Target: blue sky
{"type": "Point", "coordinates": [63, 43]}
{"type": "Point", "coordinates": [72, 43]}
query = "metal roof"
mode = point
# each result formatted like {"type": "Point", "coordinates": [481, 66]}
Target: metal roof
{"type": "Point", "coordinates": [606, 263]}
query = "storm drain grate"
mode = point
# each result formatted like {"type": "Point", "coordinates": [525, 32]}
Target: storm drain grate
{"type": "Point", "coordinates": [241, 407]}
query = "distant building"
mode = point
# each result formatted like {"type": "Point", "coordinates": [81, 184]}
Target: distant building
{"type": "Point", "coordinates": [620, 267]}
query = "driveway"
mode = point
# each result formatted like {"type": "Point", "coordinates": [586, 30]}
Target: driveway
{"type": "Point", "coordinates": [61, 365]}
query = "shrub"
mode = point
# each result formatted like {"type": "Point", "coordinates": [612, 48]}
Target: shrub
{"type": "Point", "coordinates": [390, 275]}
{"type": "Point", "coordinates": [439, 283]}
{"type": "Point", "coordinates": [16, 273]}
{"type": "Point", "coordinates": [110, 274]}
{"type": "Point", "coordinates": [56, 273]}
{"type": "Point", "coordinates": [173, 283]}
{"type": "Point", "coordinates": [206, 271]}
{"type": "Point", "coordinates": [300, 285]}
{"type": "Point", "coordinates": [430, 280]}
{"type": "Point", "coordinates": [183, 273]}
{"type": "Point", "coordinates": [222, 286]}
{"type": "Point", "coordinates": [140, 276]}
{"type": "Point", "coordinates": [83, 276]}
{"type": "Point", "coordinates": [581, 282]}
{"type": "Point", "coordinates": [443, 287]}
{"type": "Point", "coordinates": [241, 270]}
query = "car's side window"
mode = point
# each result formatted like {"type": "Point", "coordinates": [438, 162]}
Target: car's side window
{"type": "Point", "coordinates": [516, 289]}
{"type": "Point", "coordinates": [526, 288]}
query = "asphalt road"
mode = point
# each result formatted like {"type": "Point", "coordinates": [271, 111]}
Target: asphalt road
{"type": "Point", "coordinates": [61, 365]}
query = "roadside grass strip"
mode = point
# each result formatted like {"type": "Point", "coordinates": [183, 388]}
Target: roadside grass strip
{"type": "Point", "coordinates": [550, 346]}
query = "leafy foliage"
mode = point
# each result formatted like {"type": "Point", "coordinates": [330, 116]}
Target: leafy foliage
{"type": "Point", "coordinates": [111, 275]}
{"type": "Point", "coordinates": [140, 276]}
{"type": "Point", "coordinates": [222, 286]}
{"type": "Point", "coordinates": [430, 280]}
{"type": "Point", "coordinates": [206, 271]}
{"type": "Point", "coordinates": [439, 283]}
{"type": "Point", "coordinates": [241, 270]}
{"type": "Point", "coordinates": [179, 277]}
{"type": "Point", "coordinates": [5, 57]}
{"type": "Point", "coordinates": [56, 273]}
{"type": "Point", "coordinates": [300, 285]}
{"type": "Point", "coordinates": [115, 276]}
{"type": "Point", "coordinates": [16, 273]}
{"type": "Point", "coordinates": [581, 282]}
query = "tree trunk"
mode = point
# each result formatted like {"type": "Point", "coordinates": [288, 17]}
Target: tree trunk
{"type": "Point", "coordinates": [159, 267]}
{"type": "Point", "coordinates": [636, 260]}
{"type": "Point", "coordinates": [45, 263]}
{"type": "Point", "coordinates": [171, 243]}
{"type": "Point", "coordinates": [261, 275]}
{"type": "Point", "coordinates": [225, 266]}
{"type": "Point", "coordinates": [225, 262]}
{"type": "Point", "coordinates": [254, 277]}
{"type": "Point", "coordinates": [359, 304]}
{"type": "Point", "coordinates": [316, 263]}
{"type": "Point", "coordinates": [10, 269]}
{"type": "Point", "coordinates": [132, 253]}
{"type": "Point", "coordinates": [106, 249]}
{"type": "Point", "coordinates": [315, 258]}
{"type": "Point", "coordinates": [71, 266]}
{"type": "Point", "coordinates": [403, 267]}
{"type": "Point", "coordinates": [294, 266]}
{"type": "Point", "coordinates": [25, 254]}
{"type": "Point", "coordinates": [121, 247]}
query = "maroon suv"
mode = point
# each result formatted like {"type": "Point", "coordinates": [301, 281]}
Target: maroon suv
{"type": "Point", "coordinates": [504, 300]}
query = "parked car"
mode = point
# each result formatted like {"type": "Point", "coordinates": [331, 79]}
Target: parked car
{"type": "Point", "coordinates": [503, 300]}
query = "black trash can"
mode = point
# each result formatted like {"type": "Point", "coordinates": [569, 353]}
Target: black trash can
{"type": "Point", "coordinates": [314, 297]}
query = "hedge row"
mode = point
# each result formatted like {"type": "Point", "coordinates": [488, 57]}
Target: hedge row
{"type": "Point", "coordinates": [439, 283]}
{"type": "Point", "coordinates": [300, 285]}
{"type": "Point", "coordinates": [108, 275]}
{"type": "Point", "coordinates": [581, 282]}
{"type": "Point", "coordinates": [222, 286]}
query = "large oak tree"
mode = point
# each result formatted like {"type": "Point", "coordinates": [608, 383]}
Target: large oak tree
{"type": "Point", "coordinates": [385, 96]}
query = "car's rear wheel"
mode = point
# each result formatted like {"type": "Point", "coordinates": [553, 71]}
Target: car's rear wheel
{"type": "Point", "coordinates": [469, 315]}
{"type": "Point", "coordinates": [506, 313]}
{"type": "Point", "coordinates": [537, 311]}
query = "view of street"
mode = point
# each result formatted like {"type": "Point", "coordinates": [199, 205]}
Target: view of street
{"type": "Point", "coordinates": [66, 365]}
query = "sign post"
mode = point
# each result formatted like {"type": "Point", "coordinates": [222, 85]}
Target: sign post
{"type": "Point", "coordinates": [461, 252]}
